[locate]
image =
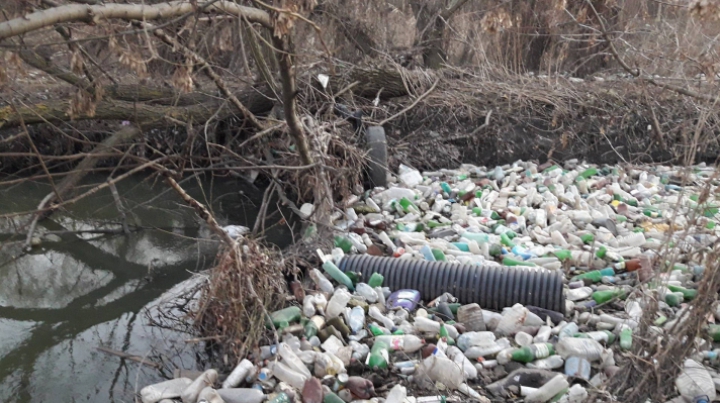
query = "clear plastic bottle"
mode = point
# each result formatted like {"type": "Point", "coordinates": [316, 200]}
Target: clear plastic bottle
{"type": "Point", "coordinates": [366, 292]}
{"type": "Point", "coordinates": [356, 319]}
{"type": "Point", "coordinates": [164, 390]}
{"type": "Point", "coordinates": [633, 239]}
{"type": "Point", "coordinates": [309, 305]}
{"type": "Point", "coordinates": [242, 395]}
{"type": "Point", "coordinates": [209, 395]}
{"type": "Point", "coordinates": [397, 394]}
{"type": "Point", "coordinates": [695, 381]}
{"type": "Point", "coordinates": [548, 390]}
{"type": "Point", "coordinates": [588, 349]}
{"type": "Point", "coordinates": [292, 360]}
{"type": "Point", "coordinates": [470, 339]}
{"type": "Point", "coordinates": [407, 343]}
{"type": "Point", "coordinates": [337, 303]}
{"type": "Point", "coordinates": [552, 362]}
{"type": "Point", "coordinates": [426, 325]}
{"type": "Point", "coordinates": [512, 320]}
{"type": "Point", "coordinates": [459, 358]}
{"type": "Point", "coordinates": [444, 370]}
{"type": "Point", "coordinates": [321, 281]}
{"type": "Point", "coordinates": [238, 374]}
{"type": "Point", "coordinates": [191, 393]}
{"type": "Point", "coordinates": [374, 312]}
{"type": "Point", "coordinates": [360, 351]}
{"type": "Point", "coordinates": [283, 373]}
{"type": "Point", "coordinates": [543, 334]}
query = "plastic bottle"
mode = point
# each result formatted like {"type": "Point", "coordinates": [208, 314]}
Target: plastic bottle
{"type": "Point", "coordinates": [241, 395]}
{"type": "Point", "coordinates": [512, 319]}
{"type": "Point", "coordinates": [548, 390]}
{"type": "Point", "coordinates": [551, 362]}
{"type": "Point", "coordinates": [443, 370]}
{"type": "Point", "coordinates": [397, 394]}
{"type": "Point", "coordinates": [604, 296]}
{"type": "Point", "coordinates": [366, 292]}
{"type": "Point", "coordinates": [695, 381]}
{"type": "Point", "coordinates": [356, 319]}
{"type": "Point", "coordinates": [284, 317]}
{"type": "Point", "coordinates": [321, 281]}
{"type": "Point", "coordinates": [292, 360]}
{"type": "Point", "coordinates": [337, 274]}
{"type": "Point", "coordinates": [626, 338]}
{"type": "Point", "coordinates": [588, 349]}
{"type": "Point", "coordinates": [577, 367]}
{"type": "Point", "coordinates": [376, 280]}
{"type": "Point", "coordinates": [378, 357]}
{"type": "Point", "coordinates": [533, 352]}
{"type": "Point", "coordinates": [337, 303]}
{"type": "Point", "coordinates": [238, 374]}
{"type": "Point", "coordinates": [426, 325]}
{"type": "Point", "coordinates": [309, 306]}
{"type": "Point", "coordinates": [374, 312]}
{"type": "Point", "coordinates": [209, 395]}
{"type": "Point", "coordinates": [407, 343]}
{"type": "Point", "coordinates": [191, 393]}
{"type": "Point", "coordinates": [285, 374]}
{"type": "Point", "coordinates": [459, 358]}
{"type": "Point", "coordinates": [470, 339]}
{"type": "Point", "coordinates": [164, 390]}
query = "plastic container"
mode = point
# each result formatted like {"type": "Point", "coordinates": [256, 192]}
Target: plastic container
{"type": "Point", "coordinates": [171, 389]}
{"type": "Point", "coordinates": [695, 381]}
{"type": "Point", "coordinates": [471, 316]}
{"type": "Point", "coordinates": [242, 395]}
{"type": "Point", "coordinates": [337, 303]}
{"type": "Point", "coordinates": [588, 349]}
{"type": "Point", "coordinates": [548, 390]}
{"type": "Point", "coordinates": [285, 374]}
{"type": "Point", "coordinates": [444, 370]}
{"type": "Point", "coordinates": [292, 361]}
{"type": "Point", "coordinates": [191, 393]}
{"type": "Point", "coordinates": [238, 374]}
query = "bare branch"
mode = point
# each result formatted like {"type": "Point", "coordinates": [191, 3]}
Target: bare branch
{"type": "Point", "coordinates": [95, 13]}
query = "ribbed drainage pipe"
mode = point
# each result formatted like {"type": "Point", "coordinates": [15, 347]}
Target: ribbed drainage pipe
{"type": "Point", "coordinates": [492, 287]}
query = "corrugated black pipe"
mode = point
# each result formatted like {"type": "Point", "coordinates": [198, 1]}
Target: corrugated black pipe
{"type": "Point", "coordinates": [492, 287]}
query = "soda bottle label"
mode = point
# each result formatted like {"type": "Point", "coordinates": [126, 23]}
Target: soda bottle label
{"type": "Point", "coordinates": [541, 351]}
{"type": "Point", "coordinates": [397, 343]}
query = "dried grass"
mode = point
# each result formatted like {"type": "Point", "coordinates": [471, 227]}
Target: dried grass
{"type": "Point", "coordinates": [234, 304]}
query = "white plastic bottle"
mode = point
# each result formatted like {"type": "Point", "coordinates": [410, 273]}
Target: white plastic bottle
{"type": "Point", "coordinates": [283, 373]}
{"type": "Point", "coordinates": [552, 362]}
{"type": "Point", "coordinates": [470, 339]}
{"type": "Point", "coordinates": [191, 393]}
{"type": "Point", "coordinates": [459, 358]}
{"type": "Point", "coordinates": [374, 312]}
{"type": "Point", "coordinates": [695, 381]}
{"type": "Point", "coordinates": [397, 394]}
{"type": "Point", "coordinates": [407, 343]}
{"type": "Point", "coordinates": [356, 319]}
{"type": "Point", "coordinates": [588, 349]}
{"type": "Point", "coordinates": [444, 370]}
{"type": "Point", "coordinates": [210, 395]}
{"type": "Point", "coordinates": [242, 395]}
{"type": "Point", "coordinates": [366, 292]}
{"type": "Point", "coordinates": [549, 390]}
{"type": "Point", "coordinates": [238, 374]}
{"type": "Point", "coordinates": [337, 303]}
{"type": "Point", "coordinates": [292, 360]}
{"type": "Point", "coordinates": [512, 319]}
{"type": "Point", "coordinates": [309, 306]}
{"type": "Point", "coordinates": [426, 325]}
{"type": "Point", "coordinates": [164, 390]}
{"type": "Point", "coordinates": [321, 281]}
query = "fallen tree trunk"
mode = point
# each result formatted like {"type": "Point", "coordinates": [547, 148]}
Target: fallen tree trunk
{"type": "Point", "coordinates": [257, 100]}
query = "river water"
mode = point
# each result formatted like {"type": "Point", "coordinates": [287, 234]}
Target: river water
{"type": "Point", "coordinates": [71, 295]}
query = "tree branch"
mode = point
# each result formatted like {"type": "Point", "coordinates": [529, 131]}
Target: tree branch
{"type": "Point", "coordinates": [208, 71]}
{"type": "Point", "coordinates": [289, 106]}
{"type": "Point", "coordinates": [95, 13]}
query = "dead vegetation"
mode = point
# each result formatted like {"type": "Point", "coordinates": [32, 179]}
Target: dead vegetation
{"type": "Point", "coordinates": [231, 88]}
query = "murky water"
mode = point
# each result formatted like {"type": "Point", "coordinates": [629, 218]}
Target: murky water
{"type": "Point", "coordinates": [66, 298]}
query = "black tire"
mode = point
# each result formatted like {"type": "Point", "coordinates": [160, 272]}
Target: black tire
{"type": "Point", "coordinates": [377, 152]}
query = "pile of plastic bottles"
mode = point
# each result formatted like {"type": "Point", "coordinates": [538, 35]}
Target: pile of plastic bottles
{"type": "Point", "coordinates": [621, 237]}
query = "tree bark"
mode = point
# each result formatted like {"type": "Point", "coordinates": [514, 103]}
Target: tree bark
{"type": "Point", "coordinates": [257, 100]}
{"type": "Point", "coordinates": [94, 13]}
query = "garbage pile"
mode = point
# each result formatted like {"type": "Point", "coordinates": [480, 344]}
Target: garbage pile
{"type": "Point", "coordinates": [533, 278]}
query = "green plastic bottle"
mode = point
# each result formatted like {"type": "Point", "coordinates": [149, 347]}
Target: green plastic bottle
{"type": "Point", "coordinates": [439, 255]}
{"type": "Point", "coordinates": [376, 280]}
{"type": "Point", "coordinates": [505, 240]}
{"type": "Point", "coordinates": [331, 397]}
{"type": "Point", "coordinates": [337, 274]}
{"type": "Point", "coordinates": [601, 252]}
{"type": "Point", "coordinates": [508, 261]}
{"type": "Point", "coordinates": [477, 211]}
{"type": "Point", "coordinates": [284, 317]}
{"type": "Point", "coordinates": [672, 299]}
{"type": "Point", "coordinates": [595, 275]}
{"type": "Point", "coordinates": [478, 237]}
{"type": "Point", "coordinates": [586, 174]}
{"type": "Point", "coordinates": [588, 238]}
{"type": "Point", "coordinates": [604, 296]}
{"type": "Point", "coordinates": [378, 357]}
{"type": "Point", "coordinates": [445, 187]}
{"type": "Point", "coordinates": [626, 339]}
{"type": "Point", "coordinates": [687, 293]}
{"type": "Point", "coordinates": [407, 205]}
{"type": "Point", "coordinates": [375, 330]}
{"type": "Point", "coordinates": [533, 352]}
{"type": "Point", "coordinates": [562, 254]}
{"type": "Point", "coordinates": [714, 331]}
{"type": "Point", "coordinates": [344, 244]}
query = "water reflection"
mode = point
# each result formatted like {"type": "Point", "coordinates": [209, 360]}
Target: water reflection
{"type": "Point", "coordinates": [66, 298]}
